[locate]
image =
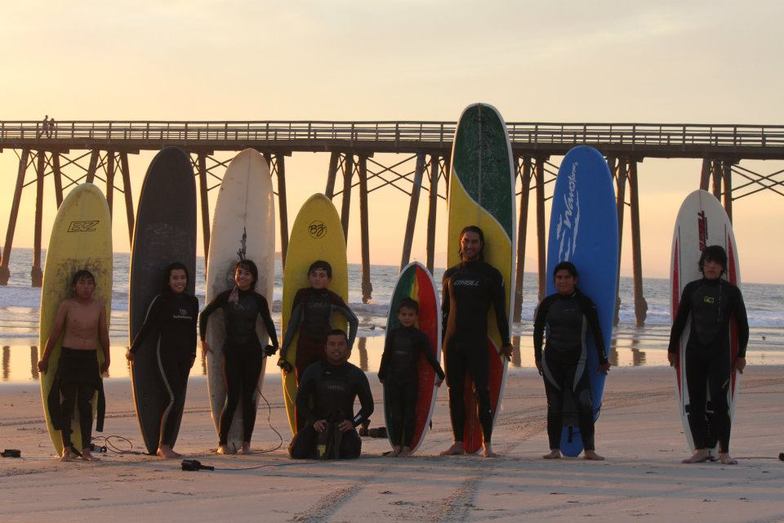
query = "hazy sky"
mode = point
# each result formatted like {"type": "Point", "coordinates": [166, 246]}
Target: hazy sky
{"type": "Point", "coordinates": [599, 61]}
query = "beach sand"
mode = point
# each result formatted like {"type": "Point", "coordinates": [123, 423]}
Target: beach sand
{"type": "Point", "coordinates": [639, 432]}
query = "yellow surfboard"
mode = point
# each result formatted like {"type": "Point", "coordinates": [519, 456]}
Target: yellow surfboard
{"type": "Point", "coordinates": [317, 234]}
{"type": "Point", "coordinates": [81, 239]}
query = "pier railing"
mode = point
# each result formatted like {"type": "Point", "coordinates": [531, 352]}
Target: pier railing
{"type": "Point", "coordinates": [653, 138]}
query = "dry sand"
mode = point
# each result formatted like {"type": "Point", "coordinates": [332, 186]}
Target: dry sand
{"type": "Point", "coordinates": [639, 432]}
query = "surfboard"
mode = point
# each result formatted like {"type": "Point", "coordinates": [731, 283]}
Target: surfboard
{"type": "Point", "coordinates": [481, 192]}
{"type": "Point", "coordinates": [584, 231]}
{"type": "Point", "coordinates": [165, 232]}
{"type": "Point", "coordinates": [317, 234]}
{"type": "Point", "coordinates": [701, 222]}
{"type": "Point", "coordinates": [415, 282]}
{"type": "Point", "coordinates": [81, 238]}
{"type": "Point", "coordinates": [243, 225]}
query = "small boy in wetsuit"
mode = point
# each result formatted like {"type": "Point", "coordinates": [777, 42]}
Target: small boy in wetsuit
{"type": "Point", "coordinates": [311, 315]}
{"type": "Point", "coordinates": [81, 320]}
{"type": "Point", "coordinates": [399, 374]}
{"type": "Point", "coordinates": [325, 403]}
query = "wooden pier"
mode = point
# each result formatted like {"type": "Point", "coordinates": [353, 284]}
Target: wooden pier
{"type": "Point", "coordinates": [100, 149]}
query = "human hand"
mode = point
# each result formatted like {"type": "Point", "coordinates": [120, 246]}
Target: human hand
{"type": "Point", "coordinates": [284, 365]}
{"type": "Point", "coordinates": [43, 365]}
{"type": "Point", "coordinates": [740, 364]}
{"type": "Point", "coordinates": [506, 351]}
{"type": "Point", "coordinates": [105, 366]}
{"type": "Point", "coordinates": [270, 350]}
{"type": "Point", "coordinates": [604, 368]}
{"type": "Point", "coordinates": [205, 346]}
{"type": "Point", "coordinates": [539, 367]}
{"type": "Point", "coordinates": [129, 355]}
{"type": "Point", "coordinates": [345, 425]}
{"type": "Point", "coordinates": [672, 358]}
{"type": "Point", "coordinates": [320, 425]}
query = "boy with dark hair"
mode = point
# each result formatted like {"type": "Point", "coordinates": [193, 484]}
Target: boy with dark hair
{"type": "Point", "coordinates": [81, 320]}
{"type": "Point", "coordinates": [311, 316]}
{"type": "Point", "coordinates": [399, 374]}
{"type": "Point", "coordinates": [711, 303]}
{"type": "Point", "coordinates": [325, 404]}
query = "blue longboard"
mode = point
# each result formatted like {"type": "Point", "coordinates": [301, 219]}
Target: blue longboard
{"type": "Point", "coordinates": [584, 231]}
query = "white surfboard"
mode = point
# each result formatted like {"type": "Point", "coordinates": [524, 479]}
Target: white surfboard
{"type": "Point", "coordinates": [243, 222]}
{"type": "Point", "coordinates": [701, 222]}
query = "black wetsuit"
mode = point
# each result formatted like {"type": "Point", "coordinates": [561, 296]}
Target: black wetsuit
{"type": "Point", "coordinates": [243, 352]}
{"type": "Point", "coordinates": [171, 318]}
{"type": "Point", "coordinates": [327, 392]}
{"type": "Point", "coordinates": [77, 380]}
{"type": "Point", "coordinates": [469, 290]}
{"type": "Point", "coordinates": [311, 316]}
{"type": "Point", "coordinates": [398, 371]}
{"type": "Point", "coordinates": [565, 319]}
{"type": "Point", "coordinates": [711, 304]}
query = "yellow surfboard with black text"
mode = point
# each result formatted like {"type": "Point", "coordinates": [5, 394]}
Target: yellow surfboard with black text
{"type": "Point", "coordinates": [317, 234]}
{"type": "Point", "coordinates": [81, 239]}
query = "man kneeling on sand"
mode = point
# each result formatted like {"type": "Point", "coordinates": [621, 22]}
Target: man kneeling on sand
{"type": "Point", "coordinates": [325, 401]}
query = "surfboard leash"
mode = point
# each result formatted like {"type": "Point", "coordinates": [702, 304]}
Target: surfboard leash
{"type": "Point", "coordinates": [269, 422]}
{"type": "Point", "coordinates": [110, 446]}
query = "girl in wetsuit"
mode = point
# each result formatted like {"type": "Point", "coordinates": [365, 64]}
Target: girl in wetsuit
{"type": "Point", "coordinates": [171, 319]}
{"type": "Point", "coordinates": [242, 349]}
{"type": "Point", "coordinates": [563, 318]}
{"type": "Point", "coordinates": [711, 303]}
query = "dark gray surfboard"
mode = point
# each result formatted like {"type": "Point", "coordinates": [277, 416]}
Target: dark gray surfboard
{"type": "Point", "coordinates": [165, 232]}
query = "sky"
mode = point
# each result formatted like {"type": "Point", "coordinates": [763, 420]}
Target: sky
{"type": "Point", "coordinates": [557, 61]}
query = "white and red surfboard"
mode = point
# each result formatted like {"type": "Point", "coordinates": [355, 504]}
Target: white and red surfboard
{"type": "Point", "coordinates": [701, 222]}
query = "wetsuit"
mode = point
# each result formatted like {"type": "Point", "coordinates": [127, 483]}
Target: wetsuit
{"type": "Point", "coordinates": [327, 392]}
{"type": "Point", "coordinates": [398, 371]}
{"type": "Point", "coordinates": [171, 320]}
{"type": "Point", "coordinates": [711, 304]}
{"type": "Point", "coordinates": [243, 352]}
{"type": "Point", "coordinates": [565, 320]}
{"type": "Point", "coordinates": [311, 316]}
{"type": "Point", "coordinates": [469, 290]}
{"type": "Point", "coordinates": [77, 380]}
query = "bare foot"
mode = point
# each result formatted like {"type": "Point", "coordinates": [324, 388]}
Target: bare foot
{"type": "Point", "coordinates": [592, 456]}
{"type": "Point", "coordinates": [67, 455]}
{"type": "Point", "coordinates": [405, 452]}
{"type": "Point", "coordinates": [245, 448]}
{"type": "Point", "coordinates": [456, 449]}
{"type": "Point", "coordinates": [553, 454]}
{"type": "Point", "coordinates": [224, 449]}
{"type": "Point", "coordinates": [395, 451]}
{"type": "Point", "coordinates": [487, 451]}
{"type": "Point", "coordinates": [87, 455]}
{"type": "Point", "coordinates": [166, 452]}
{"type": "Point", "coordinates": [726, 459]}
{"type": "Point", "coordinates": [699, 456]}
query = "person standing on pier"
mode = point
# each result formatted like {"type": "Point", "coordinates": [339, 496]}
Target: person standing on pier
{"type": "Point", "coordinates": [470, 289]}
{"type": "Point", "coordinates": [711, 303]}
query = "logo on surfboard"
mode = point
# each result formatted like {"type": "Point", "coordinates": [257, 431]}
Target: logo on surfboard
{"type": "Point", "coordinates": [702, 227]}
{"type": "Point", "coordinates": [569, 221]}
{"type": "Point", "coordinates": [317, 229]}
{"type": "Point", "coordinates": [83, 226]}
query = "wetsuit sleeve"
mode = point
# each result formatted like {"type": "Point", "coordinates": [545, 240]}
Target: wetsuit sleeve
{"type": "Point", "coordinates": [152, 323]}
{"type": "Point", "coordinates": [499, 303]}
{"type": "Point", "coordinates": [681, 317]}
{"type": "Point", "coordinates": [269, 325]}
{"type": "Point", "coordinates": [292, 327]}
{"type": "Point", "coordinates": [307, 387]}
{"type": "Point", "coordinates": [219, 300]}
{"type": "Point", "coordinates": [194, 325]}
{"type": "Point", "coordinates": [339, 305]}
{"type": "Point", "coordinates": [539, 323]}
{"type": "Point", "coordinates": [382, 368]}
{"type": "Point", "coordinates": [742, 323]}
{"type": "Point", "coordinates": [426, 349]}
{"type": "Point", "coordinates": [365, 399]}
{"type": "Point", "coordinates": [592, 316]}
{"type": "Point", "coordinates": [445, 302]}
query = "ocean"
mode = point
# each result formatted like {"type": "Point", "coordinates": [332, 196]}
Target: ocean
{"type": "Point", "coordinates": [632, 346]}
